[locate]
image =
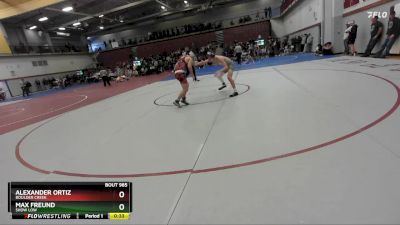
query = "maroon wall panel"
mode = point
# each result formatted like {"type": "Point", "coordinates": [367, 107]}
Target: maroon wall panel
{"type": "Point", "coordinates": [111, 58]}
{"type": "Point", "coordinates": [168, 46]}
{"type": "Point", "coordinates": [349, 3]}
{"type": "Point", "coordinates": [247, 32]}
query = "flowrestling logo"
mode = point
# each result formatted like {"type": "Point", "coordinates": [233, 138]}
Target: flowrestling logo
{"type": "Point", "coordinates": [382, 15]}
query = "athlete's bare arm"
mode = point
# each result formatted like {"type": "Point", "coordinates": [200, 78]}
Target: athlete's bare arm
{"type": "Point", "coordinates": [202, 63]}
{"type": "Point", "coordinates": [189, 62]}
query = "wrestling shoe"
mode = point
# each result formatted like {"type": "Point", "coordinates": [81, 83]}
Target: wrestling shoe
{"type": "Point", "coordinates": [234, 94]}
{"type": "Point", "coordinates": [176, 103]}
{"type": "Point", "coordinates": [184, 102]}
{"type": "Point", "coordinates": [222, 87]}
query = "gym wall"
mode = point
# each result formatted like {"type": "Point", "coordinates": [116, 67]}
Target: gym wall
{"type": "Point", "coordinates": [31, 67]}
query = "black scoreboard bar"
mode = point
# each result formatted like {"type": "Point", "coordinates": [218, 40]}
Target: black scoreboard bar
{"type": "Point", "coordinates": [70, 200]}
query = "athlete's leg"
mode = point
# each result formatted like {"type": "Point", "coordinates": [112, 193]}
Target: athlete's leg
{"type": "Point", "coordinates": [185, 89]}
{"type": "Point", "coordinates": [219, 75]}
{"type": "Point", "coordinates": [230, 78]}
{"type": "Point", "coordinates": [232, 81]}
{"type": "Point", "coordinates": [182, 94]}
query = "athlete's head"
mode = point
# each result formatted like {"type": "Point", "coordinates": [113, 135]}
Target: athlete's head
{"type": "Point", "coordinates": [210, 54]}
{"type": "Point", "coordinates": [211, 57]}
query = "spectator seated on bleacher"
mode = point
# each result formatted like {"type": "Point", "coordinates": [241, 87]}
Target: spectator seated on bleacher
{"type": "Point", "coordinates": [327, 49]}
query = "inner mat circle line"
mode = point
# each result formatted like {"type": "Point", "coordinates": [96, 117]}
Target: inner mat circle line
{"type": "Point", "coordinates": [223, 167]}
{"type": "Point", "coordinates": [200, 103]}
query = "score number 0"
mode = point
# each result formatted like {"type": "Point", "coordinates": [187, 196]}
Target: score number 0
{"type": "Point", "coordinates": [121, 195]}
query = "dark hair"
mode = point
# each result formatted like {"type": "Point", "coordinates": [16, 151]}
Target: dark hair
{"type": "Point", "coordinates": [376, 17]}
{"type": "Point", "coordinates": [392, 12]}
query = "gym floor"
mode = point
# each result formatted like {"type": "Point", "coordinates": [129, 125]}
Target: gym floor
{"type": "Point", "coordinates": [308, 140]}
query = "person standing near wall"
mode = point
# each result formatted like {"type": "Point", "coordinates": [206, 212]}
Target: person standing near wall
{"type": "Point", "coordinates": [309, 43]}
{"type": "Point", "coordinates": [303, 43]}
{"type": "Point", "coordinates": [352, 38]}
{"type": "Point", "coordinates": [270, 12]}
{"type": "Point", "coordinates": [376, 34]}
{"type": "Point", "coordinates": [346, 38]}
{"type": "Point", "coordinates": [392, 34]}
{"type": "Point", "coordinates": [28, 86]}
{"type": "Point", "coordinates": [105, 77]}
{"type": "Point", "coordinates": [24, 89]}
{"type": "Point", "coordinates": [238, 52]}
{"type": "Point", "coordinates": [266, 12]}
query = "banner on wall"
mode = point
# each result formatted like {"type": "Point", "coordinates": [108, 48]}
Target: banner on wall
{"type": "Point", "coordinates": [114, 44]}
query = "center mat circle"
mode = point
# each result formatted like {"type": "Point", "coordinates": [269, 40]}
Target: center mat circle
{"type": "Point", "coordinates": [202, 95]}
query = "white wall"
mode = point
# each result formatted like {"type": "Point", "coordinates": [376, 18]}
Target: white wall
{"type": "Point", "coordinates": [15, 88]}
{"type": "Point", "coordinates": [306, 13]}
{"type": "Point", "coordinates": [12, 67]}
{"type": "Point", "coordinates": [332, 24]}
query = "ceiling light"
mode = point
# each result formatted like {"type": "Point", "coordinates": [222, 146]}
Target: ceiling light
{"type": "Point", "coordinates": [101, 15]}
{"type": "Point", "coordinates": [101, 27]}
{"type": "Point", "coordinates": [186, 2]}
{"type": "Point", "coordinates": [61, 28]}
{"type": "Point", "coordinates": [76, 24]}
{"type": "Point", "coordinates": [43, 19]}
{"type": "Point", "coordinates": [121, 21]}
{"type": "Point", "coordinates": [67, 9]}
{"type": "Point", "coordinates": [32, 27]}
{"type": "Point", "coordinates": [163, 7]}
{"type": "Point", "coordinates": [63, 34]}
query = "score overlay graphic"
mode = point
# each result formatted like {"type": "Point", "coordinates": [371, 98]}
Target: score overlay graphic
{"type": "Point", "coordinates": [70, 200]}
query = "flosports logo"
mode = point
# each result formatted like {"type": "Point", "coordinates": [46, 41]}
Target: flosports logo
{"type": "Point", "coordinates": [372, 14]}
